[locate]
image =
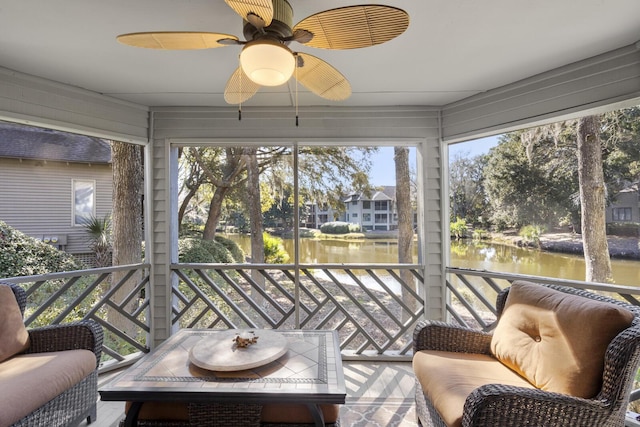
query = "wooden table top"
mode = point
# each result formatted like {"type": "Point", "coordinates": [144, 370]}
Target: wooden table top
{"type": "Point", "coordinates": [309, 372]}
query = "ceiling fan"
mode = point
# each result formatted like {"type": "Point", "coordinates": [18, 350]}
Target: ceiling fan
{"type": "Point", "coordinates": [266, 60]}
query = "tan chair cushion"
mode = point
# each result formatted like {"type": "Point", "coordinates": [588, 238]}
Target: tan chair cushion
{"type": "Point", "coordinates": [556, 340]}
{"type": "Point", "coordinates": [271, 413]}
{"type": "Point", "coordinates": [28, 381]}
{"type": "Point", "coordinates": [14, 337]}
{"type": "Point", "coordinates": [447, 379]}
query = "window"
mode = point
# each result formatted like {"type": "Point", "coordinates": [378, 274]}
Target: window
{"type": "Point", "coordinates": [381, 218]}
{"type": "Point", "coordinates": [621, 214]}
{"type": "Point", "coordinates": [322, 180]}
{"type": "Point", "coordinates": [83, 201]}
{"type": "Point", "coordinates": [381, 205]}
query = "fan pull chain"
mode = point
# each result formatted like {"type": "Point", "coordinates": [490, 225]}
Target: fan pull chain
{"type": "Point", "coordinates": [240, 91]}
{"type": "Point", "coordinates": [296, 70]}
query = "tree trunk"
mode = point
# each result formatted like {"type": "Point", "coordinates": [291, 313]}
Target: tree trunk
{"type": "Point", "coordinates": [405, 224]}
{"type": "Point", "coordinates": [215, 212]}
{"type": "Point", "coordinates": [185, 203]}
{"type": "Point", "coordinates": [126, 225]}
{"type": "Point", "coordinates": [592, 201]}
{"type": "Point", "coordinates": [255, 218]}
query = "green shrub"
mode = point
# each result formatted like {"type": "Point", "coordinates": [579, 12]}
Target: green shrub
{"type": "Point", "coordinates": [274, 252]}
{"type": "Point", "coordinates": [308, 232]}
{"type": "Point", "coordinates": [340, 227]}
{"type": "Point", "coordinates": [458, 229]}
{"type": "Point", "coordinates": [197, 251]}
{"type": "Point", "coordinates": [21, 255]}
{"type": "Point", "coordinates": [236, 251]}
{"type": "Point", "coordinates": [191, 251]}
{"type": "Point", "coordinates": [625, 229]}
{"type": "Point", "coordinates": [531, 233]}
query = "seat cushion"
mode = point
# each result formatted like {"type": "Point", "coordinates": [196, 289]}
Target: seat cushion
{"type": "Point", "coordinates": [447, 378]}
{"type": "Point", "coordinates": [14, 337]}
{"type": "Point", "coordinates": [271, 413]}
{"type": "Point", "coordinates": [557, 340]}
{"type": "Point", "coordinates": [28, 381]}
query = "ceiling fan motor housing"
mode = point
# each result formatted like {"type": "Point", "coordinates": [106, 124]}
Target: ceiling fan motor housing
{"type": "Point", "coordinates": [280, 27]}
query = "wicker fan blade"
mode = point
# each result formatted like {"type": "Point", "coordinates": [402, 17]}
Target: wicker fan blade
{"type": "Point", "coordinates": [258, 12]}
{"type": "Point", "coordinates": [176, 40]}
{"type": "Point", "coordinates": [354, 27]}
{"type": "Point", "coordinates": [239, 88]}
{"type": "Point", "coordinates": [321, 78]}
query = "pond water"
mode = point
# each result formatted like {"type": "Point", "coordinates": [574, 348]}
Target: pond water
{"type": "Point", "coordinates": [465, 254]}
{"type": "Point", "coordinates": [509, 259]}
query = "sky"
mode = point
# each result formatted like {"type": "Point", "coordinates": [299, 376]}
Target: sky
{"type": "Point", "coordinates": [473, 148]}
{"type": "Point", "coordinates": [383, 170]}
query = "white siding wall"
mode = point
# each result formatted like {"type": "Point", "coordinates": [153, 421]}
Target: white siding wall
{"type": "Point", "coordinates": [434, 222]}
{"type": "Point", "coordinates": [41, 102]}
{"type": "Point", "coordinates": [571, 91]}
{"type": "Point", "coordinates": [36, 197]}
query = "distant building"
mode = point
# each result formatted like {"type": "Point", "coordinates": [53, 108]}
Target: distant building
{"type": "Point", "coordinates": [317, 214]}
{"type": "Point", "coordinates": [51, 182]}
{"type": "Point", "coordinates": [376, 212]}
{"type": "Point", "coordinates": [625, 206]}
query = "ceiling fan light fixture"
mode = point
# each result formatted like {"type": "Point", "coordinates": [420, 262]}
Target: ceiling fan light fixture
{"type": "Point", "coordinates": [267, 62]}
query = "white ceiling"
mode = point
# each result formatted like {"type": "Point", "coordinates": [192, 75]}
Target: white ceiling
{"type": "Point", "coordinates": [453, 48]}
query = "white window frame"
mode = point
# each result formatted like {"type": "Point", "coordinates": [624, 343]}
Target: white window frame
{"type": "Point", "coordinates": [75, 212]}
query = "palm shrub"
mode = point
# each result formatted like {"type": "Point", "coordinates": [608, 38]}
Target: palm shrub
{"type": "Point", "coordinates": [99, 231]}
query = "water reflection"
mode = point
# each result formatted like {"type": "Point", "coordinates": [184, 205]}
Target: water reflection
{"type": "Point", "coordinates": [464, 254]}
{"type": "Point", "coordinates": [509, 259]}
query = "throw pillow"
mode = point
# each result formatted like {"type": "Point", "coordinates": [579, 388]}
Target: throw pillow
{"type": "Point", "coordinates": [556, 340]}
{"type": "Point", "coordinates": [14, 337]}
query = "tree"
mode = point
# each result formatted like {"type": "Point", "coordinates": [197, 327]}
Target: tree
{"type": "Point", "coordinates": [325, 173]}
{"type": "Point", "coordinates": [466, 190]}
{"type": "Point", "coordinates": [518, 189]}
{"type": "Point", "coordinates": [405, 222]}
{"type": "Point", "coordinates": [191, 180]}
{"type": "Point", "coordinates": [224, 168]}
{"type": "Point", "coordinates": [575, 168]}
{"type": "Point", "coordinates": [255, 217]}
{"type": "Point", "coordinates": [592, 201]}
{"type": "Point", "coordinates": [126, 224]}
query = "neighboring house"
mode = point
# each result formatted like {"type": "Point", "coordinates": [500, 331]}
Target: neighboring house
{"type": "Point", "coordinates": [316, 215]}
{"type": "Point", "coordinates": [625, 206]}
{"type": "Point", "coordinates": [51, 182]}
{"type": "Point", "coordinates": [377, 212]}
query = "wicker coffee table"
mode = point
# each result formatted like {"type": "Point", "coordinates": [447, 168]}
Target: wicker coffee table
{"type": "Point", "coordinates": [309, 373]}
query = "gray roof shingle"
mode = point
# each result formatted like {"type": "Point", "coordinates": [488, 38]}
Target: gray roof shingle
{"type": "Point", "coordinates": [28, 142]}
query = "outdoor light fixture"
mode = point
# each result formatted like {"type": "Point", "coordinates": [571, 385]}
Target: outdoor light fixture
{"type": "Point", "coordinates": [267, 62]}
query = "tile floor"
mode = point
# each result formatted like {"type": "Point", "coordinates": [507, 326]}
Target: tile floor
{"type": "Point", "coordinates": [378, 394]}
